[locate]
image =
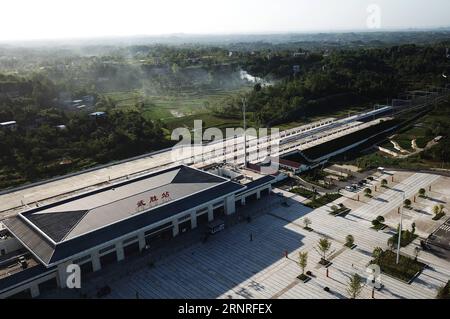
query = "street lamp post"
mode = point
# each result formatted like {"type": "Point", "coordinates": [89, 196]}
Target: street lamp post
{"type": "Point", "coordinates": [244, 105]}
{"type": "Point", "coordinates": [400, 228]}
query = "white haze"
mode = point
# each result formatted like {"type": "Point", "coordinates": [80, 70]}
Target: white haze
{"type": "Point", "coordinates": [64, 19]}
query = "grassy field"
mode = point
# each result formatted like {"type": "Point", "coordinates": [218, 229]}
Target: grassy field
{"type": "Point", "coordinates": [179, 110]}
{"type": "Point", "coordinates": [388, 145]}
{"type": "Point", "coordinates": [419, 132]}
{"type": "Point", "coordinates": [169, 107]}
{"type": "Point", "coordinates": [209, 120]}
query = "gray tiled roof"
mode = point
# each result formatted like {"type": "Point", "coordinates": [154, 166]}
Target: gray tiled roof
{"type": "Point", "coordinates": [74, 231]}
{"type": "Point", "coordinates": [94, 210]}
{"type": "Point", "coordinates": [57, 225]}
{"type": "Point", "coordinates": [32, 239]}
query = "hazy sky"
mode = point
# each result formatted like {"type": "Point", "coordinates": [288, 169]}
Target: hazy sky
{"type": "Point", "coordinates": [47, 19]}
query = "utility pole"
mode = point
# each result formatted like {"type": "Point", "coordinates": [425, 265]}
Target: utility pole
{"type": "Point", "coordinates": [244, 102]}
{"type": "Point", "coordinates": [400, 229]}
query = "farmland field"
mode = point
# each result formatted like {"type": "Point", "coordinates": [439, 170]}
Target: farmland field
{"type": "Point", "coordinates": [169, 107]}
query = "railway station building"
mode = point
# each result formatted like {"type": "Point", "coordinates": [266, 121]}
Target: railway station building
{"type": "Point", "coordinates": [108, 224]}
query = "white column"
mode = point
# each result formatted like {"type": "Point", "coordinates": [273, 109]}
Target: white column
{"type": "Point", "coordinates": [230, 207]}
{"type": "Point", "coordinates": [119, 251]}
{"type": "Point", "coordinates": [243, 200]}
{"type": "Point", "coordinates": [141, 237]}
{"type": "Point", "coordinates": [34, 291]}
{"type": "Point", "coordinates": [210, 213]}
{"type": "Point", "coordinates": [96, 265]}
{"type": "Point", "coordinates": [193, 220]}
{"type": "Point", "coordinates": [175, 228]}
{"type": "Point", "coordinates": [258, 194]}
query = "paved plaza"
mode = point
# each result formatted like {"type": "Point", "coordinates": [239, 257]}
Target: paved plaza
{"type": "Point", "coordinates": [233, 264]}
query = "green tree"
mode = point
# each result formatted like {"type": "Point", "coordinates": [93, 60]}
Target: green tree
{"type": "Point", "coordinates": [303, 260]}
{"type": "Point", "coordinates": [367, 191]}
{"type": "Point", "coordinates": [376, 254]}
{"type": "Point", "coordinates": [380, 219]}
{"type": "Point", "coordinates": [175, 68]}
{"type": "Point", "coordinates": [407, 202]}
{"type": "Point", "coordinates": [384, 182]}
{"type": "Point", "coordinates": [355, 286]}
{"type": "Point", "coordinates": [323, 248]}
{"type": "Point", "coordinates": [349, 240]}
{"type": "Point", "coordinates": [307, 222]}
{"type": "Point", "coordinates": [436, 210]}
{"type": "Point", "coordinates": [422, 192]}
{"type": "Point", "coordinates": [443, 292]}
{"type": "Point", "coordinates": [391, 243]}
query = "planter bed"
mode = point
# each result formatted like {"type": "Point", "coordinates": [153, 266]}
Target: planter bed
{"type": "Point", "coordinates": [404, 241]}
{"type": "Point", "coordinates": [323, 200]}
{"type": "Point", "coordinates": [325, 263]}
{"type": "Point", "coordinates": [407, 269]}
{"type": "Point", "coordinates": [439, 216]}
{"type": "Point", "coordinates": [303, 192]}
{"type": "Point", "coordinates": [340, 212]}
{"type": "Point", "coordinates": [303, 278]}
{"type": "Point", "coordinates": [379, 227]}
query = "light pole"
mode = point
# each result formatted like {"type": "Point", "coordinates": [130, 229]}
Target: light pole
{"type": "Point", "coordinates": [244, 102]}
{"type": "Point", "coordinates": [400, 228]}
